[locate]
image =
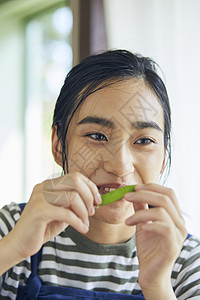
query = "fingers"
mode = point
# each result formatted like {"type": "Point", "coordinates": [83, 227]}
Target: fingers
{"type": "Point", "coordinates": [72, 190]}
{"type": "Point", "coordinates": [166, 208]}
{"type": "Point", "coordinates": [139, 206]}
{"type": "Point", "coordinates": [78, 207]}
{"type": "Point", "coordinates": [74, 193]}
{"type": "Point", "coordinates": [70, 183]}
{"type": "Point", "coordinates": [93, 189]}
{"type": "Point", "coordinates": [88, 192]}
{"type": "Point", "coordinates": [154, 214]}
{"type": "Point", "coordinates": [157, 200]}
{"type": "Point", "coordinates": [68, 216]}
{"type": "Point", "coordinates": [162, 190]}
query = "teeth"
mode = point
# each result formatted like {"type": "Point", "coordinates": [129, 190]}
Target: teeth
{"type": "Point", "coordinates": [101, 188]}
{"type": "Point", "coordinates": [106, 189]}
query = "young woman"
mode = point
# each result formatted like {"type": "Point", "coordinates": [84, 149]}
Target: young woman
{"type": "Point", "coordinates": [111, 128]}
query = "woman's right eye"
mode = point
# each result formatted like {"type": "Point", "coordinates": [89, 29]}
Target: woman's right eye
{"type": "Point", "coordinates": [97, 136]}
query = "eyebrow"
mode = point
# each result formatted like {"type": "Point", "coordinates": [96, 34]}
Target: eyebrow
{"type": "Point", "coordinates": [139, 125]}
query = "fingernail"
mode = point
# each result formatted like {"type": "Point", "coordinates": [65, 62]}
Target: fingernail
{"type": "Point", "coordinates": [128, 221]}
{"type": "Point", "coordinates": [98, 198]}
{"type": "Point", "coordinates": [87, 223]}
{"type": "Point", "coordinates": [139, 186]}
{"type": "Point", "coordinates": [86, 228]}
{"type": "Point", "coordinates": [92, 211]}
{"type": "Point", "coordinates": [129, 196]}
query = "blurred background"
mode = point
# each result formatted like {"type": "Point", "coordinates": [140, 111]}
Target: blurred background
{"type": "Point", "coordinates": [40, 40]}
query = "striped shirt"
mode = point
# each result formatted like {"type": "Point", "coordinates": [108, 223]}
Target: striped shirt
{"type": "Point", "coordinates": [71, 260]}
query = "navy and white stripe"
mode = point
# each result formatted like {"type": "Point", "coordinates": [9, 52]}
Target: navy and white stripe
{"type": "Point", "coordinates": [71, 260]}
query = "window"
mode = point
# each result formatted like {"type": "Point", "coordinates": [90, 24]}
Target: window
{"type": "Point", "coordinates": [49, 58]}
{"type": "Point", "coordinates": [36, 55]}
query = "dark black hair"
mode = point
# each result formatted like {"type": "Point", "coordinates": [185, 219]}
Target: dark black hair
{"type": "Point", "coordinates": [98, 71]}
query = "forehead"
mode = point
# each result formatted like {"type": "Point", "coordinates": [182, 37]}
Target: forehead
{"type": "Point", "coordinates": [128, 101]}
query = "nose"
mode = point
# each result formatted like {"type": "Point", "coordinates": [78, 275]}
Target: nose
{"type": "Point", "coordinates": [120, 162]}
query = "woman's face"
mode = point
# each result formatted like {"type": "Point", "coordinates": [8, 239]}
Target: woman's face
{"type": "Point", "coordinates": [116, 137]}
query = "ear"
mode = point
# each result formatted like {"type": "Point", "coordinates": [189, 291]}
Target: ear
{"type": "Point", "coordinates": [56, 147]}
{"type": "Point", "coordinates": [163, 164]}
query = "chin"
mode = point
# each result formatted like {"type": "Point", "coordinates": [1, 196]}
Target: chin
{"type": "Point", "coordinates": [115, 213]}
{"type": "Point", "coordinates": [116, 222]}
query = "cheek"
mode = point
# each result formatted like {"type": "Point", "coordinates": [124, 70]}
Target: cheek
{"type": "Point", "coordinates": [83, 158]}
{"type": "Point", "coordinates": [150, 166]}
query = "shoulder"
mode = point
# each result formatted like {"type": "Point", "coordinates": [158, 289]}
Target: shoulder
{"type": "Point", "coordinates": [9, 215]}
{"type": "Point", "coordinates": [190, 253]}
{"type": "Point", "coordinates": [191, 248]}
{"type": "Point", "coordinates": [192, 240]}
{"type": "Point", "coordinates": [185, 275]}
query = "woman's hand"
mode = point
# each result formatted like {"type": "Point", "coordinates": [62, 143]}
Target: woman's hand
{"type": "Point", "coordinates": [160, 233]}
{"type": "Point", "coordinates": [53, 205]}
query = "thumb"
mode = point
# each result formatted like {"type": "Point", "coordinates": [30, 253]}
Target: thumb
{"type": "Point", "coordinates": [139, 206]}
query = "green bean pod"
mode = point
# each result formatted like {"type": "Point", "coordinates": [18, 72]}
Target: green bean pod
{"type": "Point", "coordinates": [117, 194]}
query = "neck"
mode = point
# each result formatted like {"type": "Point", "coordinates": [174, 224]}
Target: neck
{"type": "Point", "coordinates": [108, 234]}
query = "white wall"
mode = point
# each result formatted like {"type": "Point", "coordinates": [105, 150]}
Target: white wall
{"type": "Point", "coordinates": [168, 32]}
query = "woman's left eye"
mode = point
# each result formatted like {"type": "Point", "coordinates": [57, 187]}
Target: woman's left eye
{"type": "Point", "coordinates": [97, 136]}
{"type": "Point", "coordinates": [144, 141]}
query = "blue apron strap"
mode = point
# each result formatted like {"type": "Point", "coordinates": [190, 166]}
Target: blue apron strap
{"type": "Point", "coordinates": [22, 205]}
{"type": "Point", "coordinates": [34, 283]}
